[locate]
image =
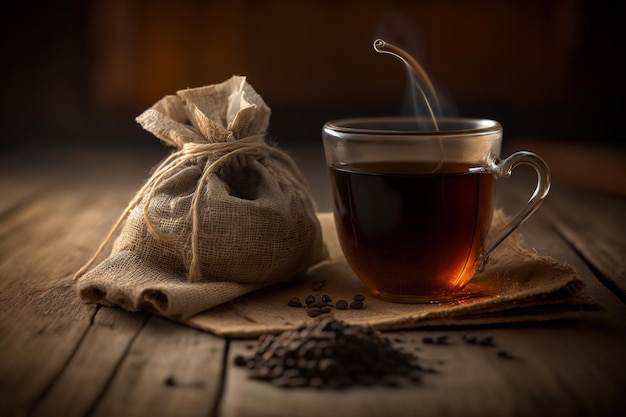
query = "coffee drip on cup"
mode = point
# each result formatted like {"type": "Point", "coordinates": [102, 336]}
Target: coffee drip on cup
{"type": "Point", "coordinates": [417, 74]}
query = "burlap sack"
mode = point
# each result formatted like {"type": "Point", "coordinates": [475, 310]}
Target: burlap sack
{"type": "Point", "coordinates": [223, 215]}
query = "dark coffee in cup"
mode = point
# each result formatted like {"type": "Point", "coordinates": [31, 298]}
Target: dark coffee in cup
{"type": "Point", "coordinates": [422, 232]}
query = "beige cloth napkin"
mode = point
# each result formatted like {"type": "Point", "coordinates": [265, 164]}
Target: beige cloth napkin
{"type": "Point", "coordinates": [517, 285]}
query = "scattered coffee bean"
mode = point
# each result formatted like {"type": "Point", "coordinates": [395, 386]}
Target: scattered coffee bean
{"type": "Point", "coordinates": [294, 302]}
{"type": "Point", "coordinates": [324, 303]}
{"type": "Point", "coordinates": [400, 338]}
{"type": "Point", "coordinates": [439, 340]}
{"type": "Point", "coordinates": [317, 285]}
{"type": "Point", "coordinates": [505, 355]}
{"type": "Point", "coordinates": [313, 311]}
{"type": "Point", "coordinates": [240, 360]}
{"type": "Point", "coordinates": [474, 340]}
{"type": "Point", "coordinates": [328, 353]}
{"type": "Point", "coordinates": [415, 375]}
{"type": "Point", "coordinates": [317, 301]}
{"type": "Point", "coordinates": [486, 341]}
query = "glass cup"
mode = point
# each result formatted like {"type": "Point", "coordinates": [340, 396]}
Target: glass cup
{"type": "Point", "coordinates": [413, 206]}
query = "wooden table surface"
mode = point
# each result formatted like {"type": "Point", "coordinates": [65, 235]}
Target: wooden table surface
{"type": "Point", "coordinates": [61, 357]}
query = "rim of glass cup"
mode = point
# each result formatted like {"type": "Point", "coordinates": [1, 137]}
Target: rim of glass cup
{"type": "Point", "coordinates": [410, 125]}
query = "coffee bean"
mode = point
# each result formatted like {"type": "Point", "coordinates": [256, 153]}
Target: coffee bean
{"type": "Point", "coordinates": [391, 381]}
{"type": "Point", "coordinates": [298, 382]}
{"type": "Point", "coordinates": [316, 382]}
{"type": "Point", "coordinates": [474, 340]}
{"type": "Point", "coordinates": [318, 285]}
{"type": "Point", "coordinates": [442, 340]}
{"type": "Point", "coordinates": [487, 341]}
{"type": "Point", "coordinates": [294, 302]}
{"type": "Point", "coordinates": [240, 360]}
{"type": "Point", "coordinates": [505, 355]}
{"type": "Point", "coordinates": [439, 340]}
{"type": "Point", "coordinates": [415, 375]}
{"type": "Point", "coordinates": [312, 311]}
{"type": "Point", "coordinates": [310, 299]}
{"type": "Point", "coordinates": [324, 302]}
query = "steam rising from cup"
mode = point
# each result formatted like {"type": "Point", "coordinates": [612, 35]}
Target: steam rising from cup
{"type": "Point", "coordinates": [418, 78]}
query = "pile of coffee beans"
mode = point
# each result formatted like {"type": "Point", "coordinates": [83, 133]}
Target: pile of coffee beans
{"type": "Point", "coordinates": [329, 353]}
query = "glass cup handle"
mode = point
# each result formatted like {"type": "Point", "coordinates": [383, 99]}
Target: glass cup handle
{"type": "Point", "coordinates": [503, 169]}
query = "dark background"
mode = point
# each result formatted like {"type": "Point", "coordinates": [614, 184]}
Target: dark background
{"type": "Point", "coordinates": [79, 72]}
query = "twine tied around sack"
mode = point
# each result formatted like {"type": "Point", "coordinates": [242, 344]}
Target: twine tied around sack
{"type": "Point", "coordinates": [236, 152]}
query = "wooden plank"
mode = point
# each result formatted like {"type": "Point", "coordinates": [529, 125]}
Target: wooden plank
{"type": "Point", "coordinates": [40, 331]}
{"type": "Point", "coordinates": [46, 241]}
{"type": "Point", "coordinates": [542, 378]}
{"type": "Point", "coordinates": [584, 354]}
{"type": "Point", "coordinates": [59, 227]}
{"type": "Point", "coordinates": [46, 234]}
{"type": "Point", "coordinates": [92, 366]}
{"type": "Point", "coordinates": [542, 231]}
{"type": "Point", "coordinates": [547, 376]}
{"type": "Point", "coordinates": [18, 184]}
{"type": "Point", "coordinates": [27, 172]}
{"type": "Point", "coordinates": [169, 370]}
{"type": "Point", "coordinates": [42, 320]}
{"type": "Point", "coordinates": [595, 224]}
